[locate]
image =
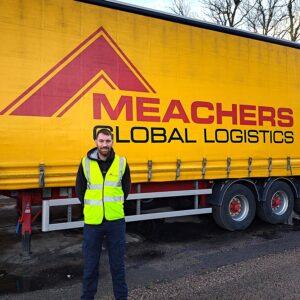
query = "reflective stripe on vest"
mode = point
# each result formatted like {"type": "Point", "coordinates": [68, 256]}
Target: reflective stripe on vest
{"type": "Point", "coordinates": [114, 199]}
{"type": "Point", "coordinates": [103, 197]}
{"type": "Point", "coordinates": [93, 202]}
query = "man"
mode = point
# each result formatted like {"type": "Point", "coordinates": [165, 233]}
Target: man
{"type": "Point", "coordinates": [102, 184]}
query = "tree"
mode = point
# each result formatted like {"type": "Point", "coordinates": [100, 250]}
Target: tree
{"type": "Point", "coordinates": [267, 17]}
{"type": "Point", "coordinates": [181, 8]}
{"type": "Point", "coordinates": [278, 18]}
{"type": "Point", "coordinates": [226, 12]}
{"type": "Point", "coordinates": [293, 20]}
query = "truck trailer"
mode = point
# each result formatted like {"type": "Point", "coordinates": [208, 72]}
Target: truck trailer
{"type": "Point", "coordinates": [207, 116]}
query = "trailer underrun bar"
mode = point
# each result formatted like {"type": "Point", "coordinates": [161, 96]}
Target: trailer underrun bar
{"type": "Point", "coordinates": [139, 216]}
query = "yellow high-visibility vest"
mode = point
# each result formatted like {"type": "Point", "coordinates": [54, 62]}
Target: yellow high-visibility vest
{"type": "Point", "coordinates": [103, 197]}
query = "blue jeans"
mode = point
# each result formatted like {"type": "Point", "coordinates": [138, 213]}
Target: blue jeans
{"type": "Point", "coordinates": [93, 236]}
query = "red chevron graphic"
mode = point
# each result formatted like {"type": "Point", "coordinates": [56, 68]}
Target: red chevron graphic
{"type": "Point", "coordinates": [97, 58]}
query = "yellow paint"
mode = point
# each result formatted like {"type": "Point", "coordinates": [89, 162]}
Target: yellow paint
{"type": "Point", "coordinates": [180, 62]}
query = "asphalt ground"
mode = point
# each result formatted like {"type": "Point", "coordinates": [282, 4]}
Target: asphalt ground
{"type": "Point", "coordinates": [187, 258]}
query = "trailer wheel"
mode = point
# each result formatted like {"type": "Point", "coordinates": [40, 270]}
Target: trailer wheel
{"type": "Point", "coordinates": [297, 205]}
{"type": "Point", "coordinates": [237, 209]}
{"type": "Point", "coordinates": [278, 205]}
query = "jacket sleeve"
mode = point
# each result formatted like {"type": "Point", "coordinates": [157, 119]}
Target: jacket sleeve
{"type": "Point", "coordinates": [126, 182]}
{"type": "Point", "coordinates": [81, 184]}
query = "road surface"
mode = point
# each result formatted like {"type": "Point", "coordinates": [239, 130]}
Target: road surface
{"type": "Point", "coordinates": [188, 258]}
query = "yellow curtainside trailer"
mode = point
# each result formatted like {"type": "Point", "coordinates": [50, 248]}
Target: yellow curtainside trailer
{"type": "Point", "coordinates": [197, 109]}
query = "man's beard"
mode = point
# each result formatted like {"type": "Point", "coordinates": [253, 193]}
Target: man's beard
{"type": "Point", "coordinates": [104, 151]}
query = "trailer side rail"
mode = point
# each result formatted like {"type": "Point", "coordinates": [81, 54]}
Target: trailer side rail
{"type": "Point", "coordinates": [139, 216]}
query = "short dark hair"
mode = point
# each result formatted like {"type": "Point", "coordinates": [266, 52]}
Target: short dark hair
{"type": "Point", "coordinates": [104, 131]}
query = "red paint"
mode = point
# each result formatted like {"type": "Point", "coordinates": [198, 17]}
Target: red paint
{"type": "Point", "coordinates": [175, 111]}
{"type": "Point", "coordinates": [247, 112]}
{"type": "Point", "coordinates": [285, 116]}
{"type": "Point", "coordinates": [26, 213]}
{"type": "Point", "coordinates": [84, 92]}
{"type": "Point", "coordinates": [226, 113]}
{"type": "Point", "coordinates": [276, 202]}
{"type": "Point", "coordinates": [151, 187]}
{"type": "Point", "coordinates": [124, 101]}
{"type": "Point", "coordinates": [197, 105]}
{"type": "Point", "coordinates": [235, 206]}
{"type": "Point", "coordinates": [266, 114]}
{"type": "Point", "coordinates": [142, 108]}
{"type": "Point", "coordinates": [74, 76]}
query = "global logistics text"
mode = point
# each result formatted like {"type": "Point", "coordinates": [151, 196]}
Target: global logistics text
{"type": "Point", "coordinates": [279, 121]}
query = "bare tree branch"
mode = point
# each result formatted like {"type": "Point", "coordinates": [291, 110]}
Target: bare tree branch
{"type": "Point", "coordinates": [227, 12]}
{"type": "Point", "coordinates": [267, 17]}
{"type": "Point", "coordinates": [181, 7]}
{"type": "Point", "coordinates": [293, 20]}
{"type": "Point", "coordinates": [278, 18]}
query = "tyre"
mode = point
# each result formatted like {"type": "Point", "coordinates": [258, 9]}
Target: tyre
{"type": "Point", "coordinates": [278, 204]}
{"type": "Point", "coordinates": [297, 205]}
{"type": "Point", "coordinates": [237, 209]}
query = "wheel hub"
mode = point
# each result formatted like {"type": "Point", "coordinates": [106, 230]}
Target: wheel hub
{"type": "Point", "coordinates": [235, 207]}
{"type": "Point", "coordinates": [238, 208]}
{"type": "Point", "coordinates": [279, 202]}
{"type": "Point", "coordinates": [276, 202]}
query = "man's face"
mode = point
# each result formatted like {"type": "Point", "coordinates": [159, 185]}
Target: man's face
{"type": "Point", "coordinates": [104, 144]}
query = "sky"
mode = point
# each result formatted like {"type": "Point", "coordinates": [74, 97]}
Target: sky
{"type": "Point", "coordinates": [154, 4]}
{"type": "Point", "coordinates": [163, 5]}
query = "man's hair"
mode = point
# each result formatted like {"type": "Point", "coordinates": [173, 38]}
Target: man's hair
{"type": "Point", "coordinates": [104, 131]}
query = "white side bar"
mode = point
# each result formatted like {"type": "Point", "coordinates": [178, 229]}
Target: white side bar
{"type": "Point", "coordinates": [169, 194]}
{"type": "Point", "coordinates": [66, 225]}
{"type": "Point", "coordinates": [46, 226]}
{"type": "Point", "coordinates": [169, 214]}
{"type": "Point", "coordinates": [60, 202]}
{"type": "Point", "coordinates": [45, 215]}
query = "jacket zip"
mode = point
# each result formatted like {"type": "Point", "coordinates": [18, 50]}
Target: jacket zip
{"type": "Point", "coordinates": [103, 195]}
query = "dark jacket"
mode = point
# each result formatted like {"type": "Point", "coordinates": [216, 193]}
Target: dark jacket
{"type": "Point", "coordinates": [81, 182]}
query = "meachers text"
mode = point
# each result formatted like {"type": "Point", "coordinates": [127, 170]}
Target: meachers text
{"type": "Point", "coordinates": [142, 109]}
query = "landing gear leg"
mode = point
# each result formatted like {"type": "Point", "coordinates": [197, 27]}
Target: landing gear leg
{"type": "Point", "coordinates": [25, 221]}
